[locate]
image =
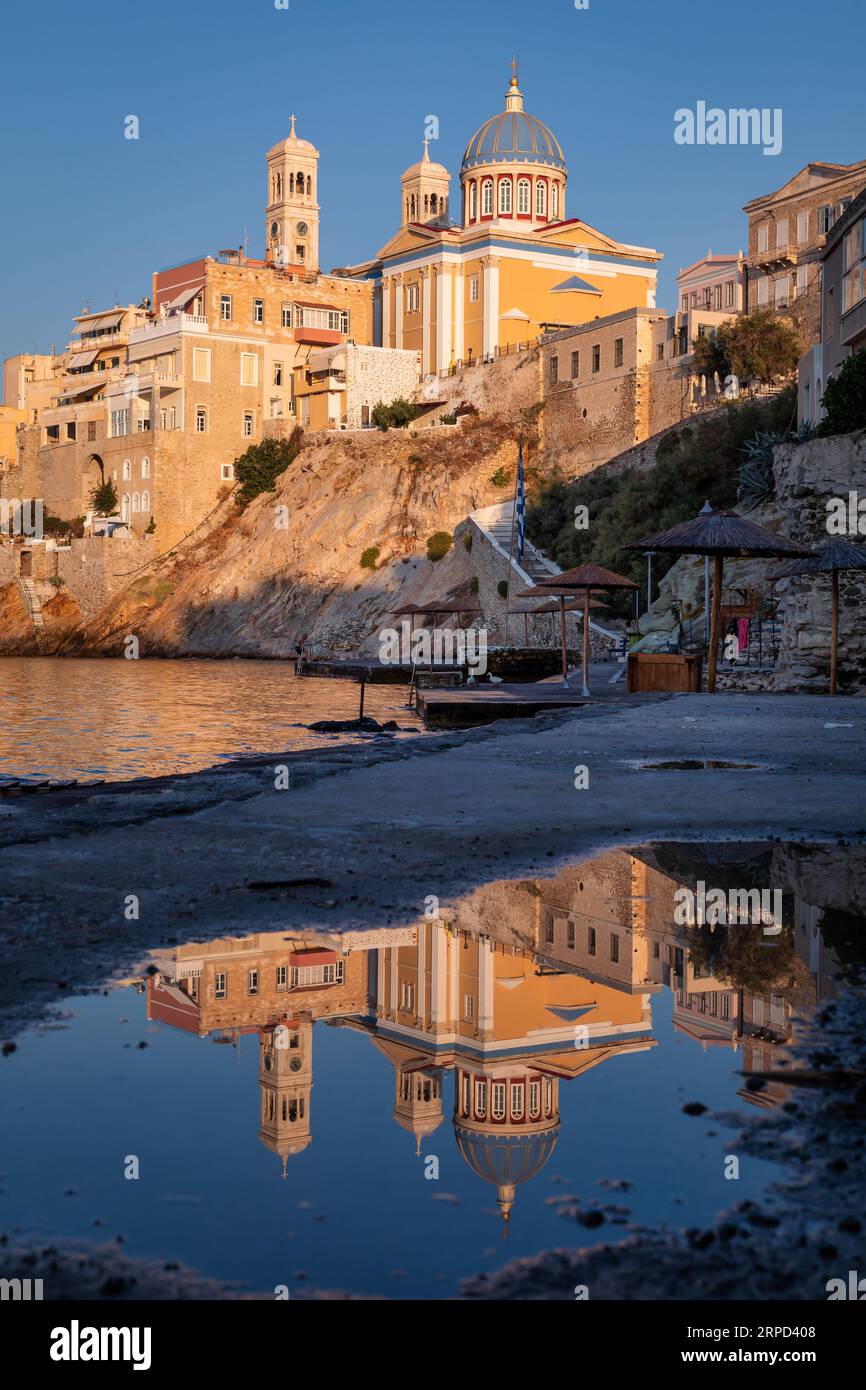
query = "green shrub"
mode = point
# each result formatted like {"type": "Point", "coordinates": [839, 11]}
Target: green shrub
{"type": "Point", "coordinates": [438, 545]}
{"type": "Point", "coordinates": [370, 557]}
{"type": "Point", "coordinates": [502, 588]}
{"type": "Point", "coordinates": [844, 397]}
{"type": "Point", "coordinates": [474, 584]}
{"type": "Point", "coordinates": [448, 419]}
{"type": "Point", "coordinates": [500, 478]}
{"type": "Point", "coordinates": [397, 415]}
{"type": "Point", "coordinates": [57, 581]}
{"type": "Point", "coordinates": [259, 467]}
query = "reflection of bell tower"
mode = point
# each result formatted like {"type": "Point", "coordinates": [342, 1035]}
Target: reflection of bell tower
{"type": "Point", "coordinates": [418, 1101]}
{"type": "Point", "coordinates": [292, 213]}
{"type": "Point", "coordinates": [285, 1082]}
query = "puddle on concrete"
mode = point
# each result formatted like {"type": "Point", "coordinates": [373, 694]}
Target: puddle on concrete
{"type": "Point", "coordinates": [695, 765]}
{"type": "Point", "coordinates": [376, 1111]}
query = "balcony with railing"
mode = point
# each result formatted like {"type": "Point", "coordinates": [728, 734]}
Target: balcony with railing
{"type": "Point", "coordinates": [168, 325]}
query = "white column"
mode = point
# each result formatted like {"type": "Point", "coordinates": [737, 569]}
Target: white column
{"type": "Point", "coordinates": [491, 305]}
{"type": "Point", "coordinates": [459, 325]}
{"type": "Point", "coordinates": [438, 978]}
{"type": "Point", "coordinates": [421, 1001]}
{"type": "Point", "coordinates": [454, 981]}
{"type": "Point", "coordinates": [393, 954]}
{"type": "Point", "coordinates": [386, 311]}
{"type": "Point", "coordinates": [485, 987]}
{"type": "Point", "coordinates": [443, 318]}
{"type": "Point", "coordinates": [425, 321]}
{"type": "Point", "coordinates": [399, 308]}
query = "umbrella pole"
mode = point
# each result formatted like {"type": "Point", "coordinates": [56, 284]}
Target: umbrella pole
{"type": "Point", "coordinates": [586, 642]}
{"type": "Point", "coordinates": [562, 635]}
{"type": "Point", "coordinates": [834, 636]}
{"type": "Point", "coordinates": [714, 624]}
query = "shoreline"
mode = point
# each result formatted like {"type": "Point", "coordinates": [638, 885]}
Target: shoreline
{"type": "Point", "coordinates": [388, 822]}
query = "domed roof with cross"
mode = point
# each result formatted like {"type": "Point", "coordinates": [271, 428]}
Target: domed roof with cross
{"type": "Point", "coordinates": [513, 137]}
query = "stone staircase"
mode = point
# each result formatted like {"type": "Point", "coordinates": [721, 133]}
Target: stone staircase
{"type": "Point", "coordinates": [34, 592]}
{"type": "Point", "coordinates": [497, 524]}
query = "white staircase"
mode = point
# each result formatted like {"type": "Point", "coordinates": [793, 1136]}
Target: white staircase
{"type": "Point", "coordinates": [497, 524]}
{"type": "Point", "coordinates": [33, 592]}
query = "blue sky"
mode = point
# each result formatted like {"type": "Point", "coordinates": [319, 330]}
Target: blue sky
{"type": "Point", "coordinates": [86, 215]}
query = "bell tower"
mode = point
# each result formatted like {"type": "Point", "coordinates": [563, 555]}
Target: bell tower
{"type": "Point", "coordinates": [285, 1083]}
{"type": "Point", "coordinates": [292, 212]}
{"type": "Point", "coordinates": [425, 191]}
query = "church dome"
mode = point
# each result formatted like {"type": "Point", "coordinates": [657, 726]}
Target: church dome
{"type": "Point", "coordinates": [506, 1159]}
{"type": "Point", "coordinates": [513, 137]}
{"type": "Point", "coordinates": [293, 144]}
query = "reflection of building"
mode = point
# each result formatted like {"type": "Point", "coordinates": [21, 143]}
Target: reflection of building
{"type": "Point", "coordinates": [521, 986]}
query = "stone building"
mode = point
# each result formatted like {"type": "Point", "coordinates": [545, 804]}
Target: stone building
{"type": "Point", "coordinates": [513, 265]}
{"type": "Point", "coordinates": [160, 399]}
{"type": "Point", "coordinates": [787, 235]}
{"type": "Point", "coordinates": [340, 386]}
{"type": "Point", "coordinates": [843, 309]}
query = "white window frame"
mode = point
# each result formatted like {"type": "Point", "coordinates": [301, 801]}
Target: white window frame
{"type": "Point", "coordinates": [249, 426]}
{"type": "Point", "coordinates": [201, 362]}
{"type": "Point", "coordinates": [505, 197]}
{"type": "Point", "coordinates": [487, 198]}
{"type": "Point", "coordinates": [246, 359]}
{"type": "Point", "coordinates": [145, 467]}
{"type": "Point", "coordinates": [226, 308]}
{"type": "Point", "coordinates": [258, 311]}
{"type": "Point", "coordinates": [220, 983]}
{"type": "Point", "coordinates": [802, 227]}
{"type": "Point", "coordinates": [524, 197]}
{"type": "Point", "coordinates": [201, 419]}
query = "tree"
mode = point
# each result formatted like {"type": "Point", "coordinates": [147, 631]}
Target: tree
{"type": "Point", "coordinates": [103, 498]}
{"type": "Point", "coordinates": [708, 356]}
{"type": "Point", "coordinates": [844, 397]}
{"type": "Point", "coordinates": [257, 470]}
{"type": "Point", "coordinates": [394, 416]}
{"type": "Point", "coordinates": [758, 347]}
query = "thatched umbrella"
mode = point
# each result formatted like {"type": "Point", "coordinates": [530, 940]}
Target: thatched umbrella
{"type": "Point", "coordinates": [720, 534]}
{"type": "Point", "coordinates": [829, 559]}
{"type": "Point", "coordinates": [581, 580]}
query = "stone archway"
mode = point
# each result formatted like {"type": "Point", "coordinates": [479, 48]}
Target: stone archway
{"type": "Point", "coordinates": [92, 476]}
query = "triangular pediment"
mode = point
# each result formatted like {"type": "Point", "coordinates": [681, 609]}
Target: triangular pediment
{"type": "Point", "coordinates": [415, 237]}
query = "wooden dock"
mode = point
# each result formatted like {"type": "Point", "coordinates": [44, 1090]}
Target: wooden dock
{"type": "Point", "coordinates": [482, 704]}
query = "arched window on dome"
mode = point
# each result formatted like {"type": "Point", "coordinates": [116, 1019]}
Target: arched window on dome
{"type": "Point", "coordinates": [465, 1102]}
{"type": "Point", "coordinates": [481, 1100]}
{"type": "Point", "coordinates": [524, 198]}
{"type": "Point", "coordinates": [554, 200]}
{"type": "Point", "coordinates": [487, 198]}
{"type": "Point", "coordinates": [497, 1100]}
{"type": "Point", "coordinates": [541, 198]}
{"type": "Point", "coordinates": [534, 1099]}
{"type": "Point", "coordinates": [473, 201]}
{"type": "Point", "coordinates": [518, 1100]}
{"type": "Point", "coordinates": [548, 1097]}
{"type": "Point", "coordinates": [505, 197]}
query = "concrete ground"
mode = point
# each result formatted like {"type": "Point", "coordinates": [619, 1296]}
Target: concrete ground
{"type": "Point", "coordinates": [379, 828]}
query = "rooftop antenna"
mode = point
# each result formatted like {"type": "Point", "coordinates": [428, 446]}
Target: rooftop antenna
{"type": "Point", "coordinates": [246, 239]}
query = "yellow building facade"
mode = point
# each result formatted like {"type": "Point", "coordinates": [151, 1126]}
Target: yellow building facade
{"type": "Point", "coordinates": [514, 266]}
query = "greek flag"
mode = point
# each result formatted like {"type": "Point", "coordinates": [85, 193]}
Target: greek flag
{"type": "Point", "coordinates": [520, 506]}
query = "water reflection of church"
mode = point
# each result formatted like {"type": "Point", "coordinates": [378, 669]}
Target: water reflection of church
{"type": "Point", "coordinates": [523, 985]}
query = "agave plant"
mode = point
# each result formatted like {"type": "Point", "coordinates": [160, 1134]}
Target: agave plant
{"type": "Point", "coordinates": [755, 481]}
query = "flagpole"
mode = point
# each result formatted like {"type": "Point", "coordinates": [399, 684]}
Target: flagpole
{"type": "Point", "coordinates": [514, 527]}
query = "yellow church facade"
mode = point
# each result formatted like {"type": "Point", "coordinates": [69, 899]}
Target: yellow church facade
{"type": "Point", "coordinates": [514, 266]}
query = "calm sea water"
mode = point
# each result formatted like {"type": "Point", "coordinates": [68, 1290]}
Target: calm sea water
{"type": "Point", "coordinates": [117, 719]}
{"type": "Point", "coordinates": [377, 1153]}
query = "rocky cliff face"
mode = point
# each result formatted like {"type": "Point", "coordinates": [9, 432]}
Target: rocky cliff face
{"type": "Point", "coordinates": [290, 565]}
